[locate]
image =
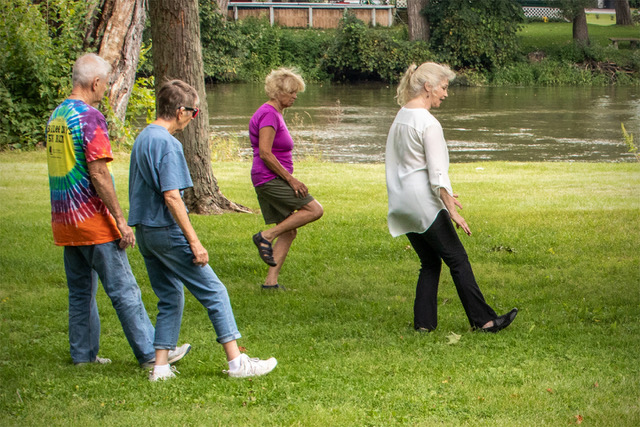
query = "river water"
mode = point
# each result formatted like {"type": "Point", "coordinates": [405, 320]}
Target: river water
{"type": "Point", "coordinates": [349, 123]}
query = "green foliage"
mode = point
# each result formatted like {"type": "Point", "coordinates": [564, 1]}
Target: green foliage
{"type": "Point", "coordinates": [141, 111]}
{"type": "Point", "coordinates": [350, 56]}
{"type": "Point", "coordinates": [628, 140]}
{"type": "Point", "coordinates": [547, 73]}
{"type": "Point", "coordinates": [305, 49]}
{"type": "Point", "coordinates": [221, 40]}
{"type": "Point", "coordinates": [38, 44]}
{"type": "Point", "coordinates": [477, 34]}
{"type": "Point", "coordinates": [555, 41]}
{"type": "Point", "coordinates": [262, 49]}
{"type": "Point", "coordinates": [248, 50]}
{"type": "Point", "coordinates": [361, 53]}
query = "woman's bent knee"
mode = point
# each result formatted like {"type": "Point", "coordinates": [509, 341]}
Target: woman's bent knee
{"type": "Point", "coordinates": [316, 209]}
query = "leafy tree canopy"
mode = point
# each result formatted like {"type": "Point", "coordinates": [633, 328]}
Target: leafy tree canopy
{"type": "Point", "coordinates": [476, 34]}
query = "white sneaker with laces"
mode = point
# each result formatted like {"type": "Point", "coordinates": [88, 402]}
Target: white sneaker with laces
{"type": "Point", "coordinates": [174, 356]}
{"type": "Point", "coordinates": [253, 367]}
{"type": "Point", "coordinates": [179, 353]}
{"type": "Point", "coordinates": [97, 360]}
{"type": "Point", "coordinates": [153, 377]}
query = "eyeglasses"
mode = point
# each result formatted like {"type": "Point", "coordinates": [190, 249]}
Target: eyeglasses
{"type": "Point", "coordinates": [195, 111]}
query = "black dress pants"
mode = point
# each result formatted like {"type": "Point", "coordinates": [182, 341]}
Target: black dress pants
{"type": "Point", "coordinates": [441, 243]}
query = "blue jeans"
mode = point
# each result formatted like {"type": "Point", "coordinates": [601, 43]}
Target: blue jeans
{"type": "Point", "coordinates": [169, 262]}
{"type": "Point", "coordinates": [83, 266]}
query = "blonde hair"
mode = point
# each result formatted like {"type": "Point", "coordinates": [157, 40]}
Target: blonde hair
{"type": "Point", "coordinates": [415, 78]}
{"type": "Point", "coordinates": [283, 80]}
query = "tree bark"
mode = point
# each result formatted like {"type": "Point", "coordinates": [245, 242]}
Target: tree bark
{"type": "Point", "coordinates": [223, 7]}
{"type": "Point", "coordinates": [115, 29]}
{"type": "Point", "coordinates": [623, 12]}
{"type": "Point", "coordinates": [177, 54]}
{"type": "Point", "coordinates": [580, 29]}
{"type": "Point", "coordinates": [418, 23]}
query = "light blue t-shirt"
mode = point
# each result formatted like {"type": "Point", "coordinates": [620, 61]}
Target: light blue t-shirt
{"type": "Point", "coordinates": [157, 165]}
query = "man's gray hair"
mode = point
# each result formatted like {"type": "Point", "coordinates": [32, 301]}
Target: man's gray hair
{"type": "Point", "coordinates": [88, 67]}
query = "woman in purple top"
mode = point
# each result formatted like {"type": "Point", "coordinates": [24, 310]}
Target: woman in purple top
{"type": "Point", "coordinates": [284, 200]}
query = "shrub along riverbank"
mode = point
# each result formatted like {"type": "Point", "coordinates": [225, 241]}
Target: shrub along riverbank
{"type": "Point", "coordinates": [557, 240]}
{"type": "Point", "coordinates": [545, 54]}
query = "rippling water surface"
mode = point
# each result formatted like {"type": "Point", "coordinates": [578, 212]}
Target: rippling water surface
{"type": "Point", "coordinates": [349, 123]}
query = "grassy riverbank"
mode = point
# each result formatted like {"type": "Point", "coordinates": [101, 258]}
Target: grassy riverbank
{"type": "Point", "coordinates": [558, 240]}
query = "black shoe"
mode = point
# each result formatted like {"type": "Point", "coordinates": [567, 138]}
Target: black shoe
{"type": "Point", "coordinates": [501, 322]}
{"type": "Point", "coordinates": [276, 287]}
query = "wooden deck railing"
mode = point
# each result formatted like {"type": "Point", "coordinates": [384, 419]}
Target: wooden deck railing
{"type": "Point", "coordinates": [312, 15]}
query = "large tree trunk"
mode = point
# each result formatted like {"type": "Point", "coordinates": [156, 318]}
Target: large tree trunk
{"type": "Point", "coordinates": [580, 29]}
{"type": "Point", "coordinates": [177, 54]}
{"type": "Point", "coordinates": [223, 6]}
{"type": "Point", "coordinates": [623, 12]}
{"type": "Point", "coordinates": [418, 23]}
{"type": "Point", "coordinates": [115, 29]}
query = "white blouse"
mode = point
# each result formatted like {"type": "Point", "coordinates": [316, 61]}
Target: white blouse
{"type": "Point", "coordinates": [417, 166]}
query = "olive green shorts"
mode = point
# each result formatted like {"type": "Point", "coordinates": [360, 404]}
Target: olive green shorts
{"type": "Point", "coordinates": [278, 200]}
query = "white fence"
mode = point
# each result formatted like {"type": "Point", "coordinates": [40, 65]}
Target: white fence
{"type": "Point", "coordinates": [539, 12]}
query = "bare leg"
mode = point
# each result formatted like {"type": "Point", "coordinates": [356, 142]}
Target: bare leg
{"type": "Point", "coordinates": [162, 357]}
{"type": "Point", "coordinates": [306, 214]}
{"type": "Point", "coordinates": [280, 251]}
{"type": "Point", "coordinates": [231, 350]}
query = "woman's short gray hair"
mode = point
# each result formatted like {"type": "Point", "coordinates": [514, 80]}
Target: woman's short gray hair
{"type": "Point", "coordinates": [88, 67]}
{"type": "Point", "coordinates": [172, 95]}
{"type": "Point", "coordinates": [283, 80]}
{"type": "Point", "coordinates": [415, 78]}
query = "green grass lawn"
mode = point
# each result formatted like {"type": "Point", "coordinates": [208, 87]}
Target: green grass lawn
{"type": "Point", "coordinates": [552, 36]}
{"type": "Point", "coordinates": [560, 241]}
{"type": "Point", "coordinates": [601, 18]}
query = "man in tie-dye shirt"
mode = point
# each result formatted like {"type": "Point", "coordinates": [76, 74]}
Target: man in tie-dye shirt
{"type": "Point", "coordinates": [87, 220]}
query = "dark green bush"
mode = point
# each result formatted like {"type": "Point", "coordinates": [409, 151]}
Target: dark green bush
{"type": "Point", "coordinates": [261, 51]}
{"type": "Point", "coordinates": [361, 53]}
{"type": "Point", "coordinates": [304, 49]}
{"type": "Point", "coordinates": [475, 34]}
{"type": "Point", "coordinates": [248, 50]}
{"type": "Point", "coordinates": [351, 55]}
{"type": "Point", "coordinates": [221, 43]}
{"type": "Point", "coordinates": [38, 44]}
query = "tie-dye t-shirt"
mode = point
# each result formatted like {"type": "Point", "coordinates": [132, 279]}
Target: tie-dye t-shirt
{"type": "Point", "coordinates": [77, 135]}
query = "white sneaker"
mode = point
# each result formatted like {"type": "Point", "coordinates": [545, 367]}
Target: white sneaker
{"type": "Point", "coordinates": [98, 360]}
{"type": "Point", "coordinates": [253, 367]}
{"type": "Point", "coordinates": [174, 356]}
{"type": "Point", "coordinates": [179, 353]}
{"type": "Point", "coordinates": [153, 377]}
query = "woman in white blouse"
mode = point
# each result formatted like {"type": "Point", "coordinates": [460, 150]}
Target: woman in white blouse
{"type": "Point", "coordinates": [422, 203]}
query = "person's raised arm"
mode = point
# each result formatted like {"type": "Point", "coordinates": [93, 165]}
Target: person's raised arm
{"type": "Point", "coordinates": [178, 210]}
{"type": "Point", "coordinates": [103, 183]}
{"type": "Point", "coordinates": [265, 146]}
